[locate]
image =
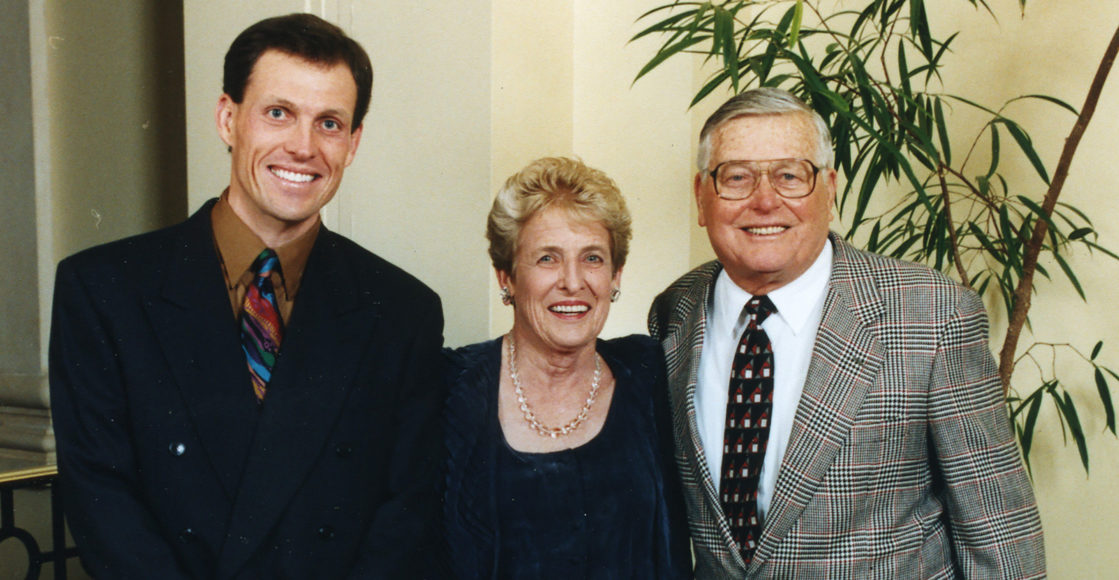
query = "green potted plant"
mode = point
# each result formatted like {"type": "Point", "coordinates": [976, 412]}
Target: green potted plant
{"type": "Point", "coordinates": [873, 72]}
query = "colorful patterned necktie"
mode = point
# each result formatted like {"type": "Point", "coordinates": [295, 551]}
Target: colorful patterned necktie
{"type": "Point", "coordinates": [261, 326]}
{"type": "Point", "coordinates": [747, 427]}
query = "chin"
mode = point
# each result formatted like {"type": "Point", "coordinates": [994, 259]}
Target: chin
{"type": "Point", "coordinates": [573, 342]}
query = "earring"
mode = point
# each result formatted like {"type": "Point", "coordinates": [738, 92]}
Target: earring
{"type": "Point", "coordinates": [506, 297]}
{"type": "Point", "coordinates": [615, 294]}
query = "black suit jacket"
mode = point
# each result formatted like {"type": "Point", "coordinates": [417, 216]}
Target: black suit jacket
{"type": "Point", "coordinates": [170, 469]}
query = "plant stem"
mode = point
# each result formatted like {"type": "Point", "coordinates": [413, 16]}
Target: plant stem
{"type": "Point", "coordinates": [953, 240]}
{"type": "Point", "coordinates": [1024, 289]}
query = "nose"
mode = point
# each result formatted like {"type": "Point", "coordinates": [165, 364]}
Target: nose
{"type": "Point", "coordinates": [300, 141]}
{"type": "Point", "coordinates": [765, 197]}
{"type": "Point", "coordinates": [571, 278]}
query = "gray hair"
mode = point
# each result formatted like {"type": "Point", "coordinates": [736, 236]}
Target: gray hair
{"type": "Point", "coordinates": [587, 193]}
{"type": "Point", "coordinates": [765, 101]}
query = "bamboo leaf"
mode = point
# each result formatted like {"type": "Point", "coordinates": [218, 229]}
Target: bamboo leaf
{"type": "Point", "coordinates": [872, 243]}
{"type": "Point", "coordinates": [934, 62]}
{"type": "Point", "coordinates": [669, 51]}
{"type": "Point", "coordinates": [1070, 275]}
{"type": "Point", "coordinates": [666, 25]}
{"type": "Point", "coordinates": [1068, 409]}
{"type": "Point", "coordinates": [903, 68]}
{"type": "Point", "coordinates": [668, 7]}
{"type": "Point", "coordinates": [1080, 233]}
{"type": "Point", "coordinates": [710, 86]}
{"type": "Point", "coordinates": [1096, 350]}
{"type": "Point", "coordinates": [1094, 246]}
{"type": "Point", "coordinates": [1030, 424]}
{"type": "Point", "coordinates": [1037, 210]}
{"type": "Point", "coordinates": [724, 39]}
{"type": "Point", "coordinates": [942, 131]}
{"type": "Point", "coordinates": [1027, 147]}
{"type": "Point", "coordinates": [994, 150]}
{"type": "Point", "coordinates": [919, 25]}
{"type": "Point", "coordinates": [794, 28]}
{"type": "Point", "coordinates": [986, 243]}
{"type": "Point", "coordinates": [866, 192]}
{"type": "Point", "coordinates": [1105, 397]}
{"type": "Point", "coordinates": [1053, 100]}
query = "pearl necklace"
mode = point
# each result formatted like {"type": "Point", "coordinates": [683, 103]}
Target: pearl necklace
{"type": "Point", "coordinates": [530, 417]}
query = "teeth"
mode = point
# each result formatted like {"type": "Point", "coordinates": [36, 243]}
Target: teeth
{"type": "Point", "coordinates": [569, 309]}
{"type": "Point", "coordinates": [292, 176]}
{"type": "Point", "coordinates": [766, 230]}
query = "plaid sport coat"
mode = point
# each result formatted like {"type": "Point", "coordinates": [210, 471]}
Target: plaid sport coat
{"type": "Point", "coordinates": [901, 462]}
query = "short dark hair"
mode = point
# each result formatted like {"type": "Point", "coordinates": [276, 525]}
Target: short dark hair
{"type": "Point", "coordinates": [301, 35]}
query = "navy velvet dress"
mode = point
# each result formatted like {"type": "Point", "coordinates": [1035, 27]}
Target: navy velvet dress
{"type": "Point", "coordinates": [610, 508]}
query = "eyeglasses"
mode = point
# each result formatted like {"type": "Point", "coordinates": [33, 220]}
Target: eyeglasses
{"type": "Point", "coordinates": [790, 178]}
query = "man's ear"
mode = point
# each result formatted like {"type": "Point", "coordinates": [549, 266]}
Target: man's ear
{"type": "Point", "coordinates": [355, 140]}
{"type": "Point", "coordinates": [830, 183]}
{"type": "Point", "coordinates": [223, 116]}
{"type": "Point", "coordinates": [697, 189]}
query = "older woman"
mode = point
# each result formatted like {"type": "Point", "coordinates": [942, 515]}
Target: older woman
{"type": "Point", "coordinates": [558, 443]}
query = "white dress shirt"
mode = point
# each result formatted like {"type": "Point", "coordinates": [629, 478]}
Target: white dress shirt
{"type": "Point", "coordinates": [791, 331]}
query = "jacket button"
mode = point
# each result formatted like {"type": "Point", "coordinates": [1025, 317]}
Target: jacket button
{"type": "Point", "coordinates": [326, 533]}
{"type": "Point", "coordinates": [186, 536]}
{"type": "Point", "coordinates": [177, 449]}
{"type": "Point", "coordinates": [343, 450]}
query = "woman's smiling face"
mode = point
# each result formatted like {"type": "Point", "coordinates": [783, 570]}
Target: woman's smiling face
{"type": "Point", "coordinates": [562, 282]}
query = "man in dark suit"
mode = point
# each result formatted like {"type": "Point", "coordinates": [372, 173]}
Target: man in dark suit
{"type": "Point", "coordinates": [247, 394]}
{"type": "Point", "coordinates": [837, 414]}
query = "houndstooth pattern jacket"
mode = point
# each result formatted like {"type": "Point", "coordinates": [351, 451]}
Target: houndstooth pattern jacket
{"type": "Point", "coordinates": [901, 462]}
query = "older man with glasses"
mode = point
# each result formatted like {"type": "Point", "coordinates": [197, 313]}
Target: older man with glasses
{"type": "Point", "coordinates": [837, 414]}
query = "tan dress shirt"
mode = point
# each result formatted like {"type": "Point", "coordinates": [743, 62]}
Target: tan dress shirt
{"type": "Point", "coordinates": [238, 247]}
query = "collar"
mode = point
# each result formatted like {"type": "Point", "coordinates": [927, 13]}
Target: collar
{"type": "Point", "coordinates": [239, 246]}
{"type": "Point", "coordinates": [794, 301]}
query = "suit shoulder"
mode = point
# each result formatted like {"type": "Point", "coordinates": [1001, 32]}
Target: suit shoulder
{"type": "Point", "coordinates": [632, 348]}
{"type": "Point", "coordinates": [906, 287]}
{"type": "Point", "coordinates": [466, 357]}
{"type": "Point", "coordinates": [679, 298]}
{"type": "Point", "coordinates": [640, 355]}
{"type": "Point", "coordinates": [374, 271]}
{"type": "Point", "coordinates": [893, 273]}
{"type": "Point", "coordinates": [700, 275]}
{"type": "Point", "coordinates": [137, 254]}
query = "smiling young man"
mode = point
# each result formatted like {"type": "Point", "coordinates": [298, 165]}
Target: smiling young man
{"type": "Point", "coordinates": [838, 414]}
{"type": "Point", "coordinates": [247, 394]}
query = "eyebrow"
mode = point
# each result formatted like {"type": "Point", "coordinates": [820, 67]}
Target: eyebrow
{"type": "Point", "coordinates": [591, 248]}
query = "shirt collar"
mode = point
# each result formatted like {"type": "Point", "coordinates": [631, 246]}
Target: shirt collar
{"type": "Point", "coordinates": [794, 301]}
{"type": "Point", "coordinates": [239, 246]}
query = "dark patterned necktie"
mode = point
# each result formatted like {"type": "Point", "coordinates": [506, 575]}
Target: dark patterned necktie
{"type": "Point", "coordinates": [261, 326]}
{"type": "Point", "coordinates": [747, 426]}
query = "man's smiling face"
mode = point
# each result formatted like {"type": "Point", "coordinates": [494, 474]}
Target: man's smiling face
{"type": "Point", "coordinates": [765, 241]}
{"type": "Point", "coordinates": [291, 139]}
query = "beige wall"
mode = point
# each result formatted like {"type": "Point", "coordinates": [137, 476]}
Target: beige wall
{"type": "Point", "coordinates": [423, 168]}
{"type": "Point", "coordinates": [464, 95]}
{"type": "Point", "coordinates": [468, 92]}
{"type": "Point", "coordinates": [1055, 50]}
{"type": "Point", "coordinates": [93, 151]}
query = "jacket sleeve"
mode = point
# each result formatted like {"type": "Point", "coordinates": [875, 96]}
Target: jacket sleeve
{"type": "Point", "coordinates": [658, 316]}
{"type": "Point", "coordinates": [995, 528]}
{"type": "Point", "coordinates": [115, 532]}
{"type": "Point", "coordinates": [405, 532]}
{"type": "Point", "coordinates": [677, 557]}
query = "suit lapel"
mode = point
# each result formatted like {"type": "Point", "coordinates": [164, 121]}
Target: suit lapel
{"type": "Point", "coordinates": [683, 349]}
{"type": "Point", "coordinates": [197, 332]}
{"type": "Point", "coordinates": [845, 362]}
{"type": "Point", "coordinates": [328, 334]}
